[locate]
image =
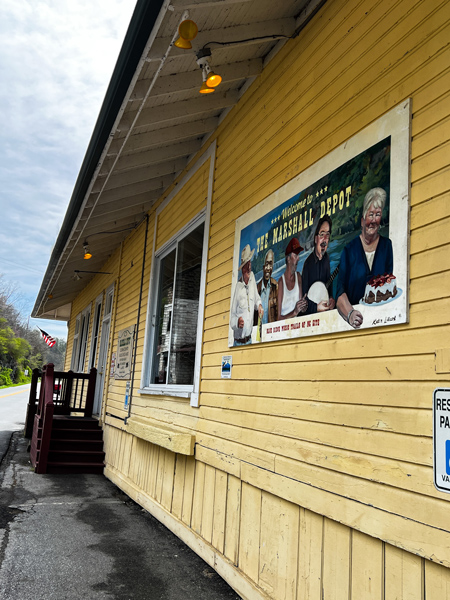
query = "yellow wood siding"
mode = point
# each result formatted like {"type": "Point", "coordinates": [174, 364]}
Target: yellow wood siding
{"type": "Point", "coordinates": [128, 300]}
{"type": "Point", "coordinates": [187, 203]}
{"type": "Point", "coordinates": [312, 476]}
{"type": "Point", "coordinates": [189, 200]}
{"type": "Point", "coordinates": [349, 414]}
{"type": "Point", "coordinates": [288, 551]}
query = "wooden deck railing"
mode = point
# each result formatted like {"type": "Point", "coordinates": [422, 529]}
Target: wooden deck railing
{"type": "Point", "coordinates": [60, 393]}
{"type": "Point", "coordinates": [72, 393]}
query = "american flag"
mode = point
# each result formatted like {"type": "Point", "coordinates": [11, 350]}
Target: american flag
{"type": "Point", "coordinates": [48, 339]}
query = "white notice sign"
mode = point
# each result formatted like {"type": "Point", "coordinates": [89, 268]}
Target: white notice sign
{"type": "Point", "coordinates": [124, 353]}
{"type": "Point", "coordinates": [227, 363]}
{"type": "Point", "coordinates": [441, 439]}
{"type": "Point", "coordinates": [127, 394]}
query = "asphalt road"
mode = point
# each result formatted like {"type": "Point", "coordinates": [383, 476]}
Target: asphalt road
{"type": "Point", "coordinates": [13, 410]}
{"type": "Point", "coordinates": [66, 537]}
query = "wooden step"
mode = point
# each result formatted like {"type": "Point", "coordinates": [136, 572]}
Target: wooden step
{"type": "Point", "coordinates": [79, 434]}
{"type": "Point", "coordinates": [78, 456]}
{"type": "Point", "coordinates": [75, 467]}
{"type": "Point", "coordinates": [65, 422]}
{"type": "Point", "coordinates": [76, 444]}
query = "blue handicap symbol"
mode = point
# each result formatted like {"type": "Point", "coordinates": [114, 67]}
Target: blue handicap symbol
{"type": "Point", "coordinates": [447, 457]}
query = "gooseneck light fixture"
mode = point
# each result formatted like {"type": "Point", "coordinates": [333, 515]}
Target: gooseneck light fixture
{"type": "Point", "coordinates": [86, 249]}
{"type": "Point", "coordinates": [187, 31]}
{"type": "Point", "coordinates": [87, 253]}
{"type": "Point", "coordinates": [205, 89]}
{"type": "Point", "coordinates": [210, 79]}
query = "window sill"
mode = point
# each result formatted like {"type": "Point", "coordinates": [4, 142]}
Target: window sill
{"type": "Point", "coordinates": [179, 391]}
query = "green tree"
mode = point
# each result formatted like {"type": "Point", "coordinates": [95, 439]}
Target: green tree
{"type": "Point", "coordinates": [22, 349]}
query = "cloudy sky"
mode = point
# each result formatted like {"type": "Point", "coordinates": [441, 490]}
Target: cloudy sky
{"type": "Point", "coordinates": [56, 60]}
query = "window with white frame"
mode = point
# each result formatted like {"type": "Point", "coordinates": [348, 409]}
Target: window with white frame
{"type": "Point", "coordinates": [76, 340]}
{"type": "Point", "coordinates": [174, 339]}
{"type": "Point", "coordinates": [80, 340]}
{"type": "Point", "coordinates": [95, 331]}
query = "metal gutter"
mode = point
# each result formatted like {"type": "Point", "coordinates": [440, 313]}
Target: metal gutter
{"type": "Point", "coordinates": [142, 22]}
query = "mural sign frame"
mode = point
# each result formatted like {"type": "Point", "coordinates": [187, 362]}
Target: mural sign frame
{"type": "Point", "coordinates": [361, 189]}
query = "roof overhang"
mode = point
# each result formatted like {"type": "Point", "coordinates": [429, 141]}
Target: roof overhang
{"type": "Point", "coordinates": [153, 121]}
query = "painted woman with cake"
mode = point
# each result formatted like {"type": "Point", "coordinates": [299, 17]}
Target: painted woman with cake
{"type": "Point", "coordinates": [366, 262]}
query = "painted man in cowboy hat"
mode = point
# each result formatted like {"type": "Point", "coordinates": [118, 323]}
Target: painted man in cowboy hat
{"type": "Point", "coordinates": [245, 301]}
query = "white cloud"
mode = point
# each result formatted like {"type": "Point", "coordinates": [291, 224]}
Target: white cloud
{"type": "Point", "coordinates": [56, 59]}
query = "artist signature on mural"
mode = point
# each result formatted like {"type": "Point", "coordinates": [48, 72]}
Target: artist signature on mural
{"type": "Point", "coordinates": [387, 319]}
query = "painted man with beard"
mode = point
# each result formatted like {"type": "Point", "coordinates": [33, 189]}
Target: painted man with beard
{"type": "Point", "coordinates": [317, 265]}
{"type": "Point", "coordinates": [268, 290]}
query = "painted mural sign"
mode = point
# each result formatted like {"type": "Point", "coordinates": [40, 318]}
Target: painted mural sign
{"type": "Point", "coordinates": [328, 251]}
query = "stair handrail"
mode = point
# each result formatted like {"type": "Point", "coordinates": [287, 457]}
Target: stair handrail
{"type": "Point", "coordinates": [46, 409]}
{"type": "Point", "coordinates": [90, 394]}
{"type": "Point", "coordinates": [31, 406]}
{"type": "Point", "coordinates": [68, 389]}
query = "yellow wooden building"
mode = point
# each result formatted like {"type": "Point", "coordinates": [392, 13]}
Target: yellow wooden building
{"type": "Point", "coordinates": [307, 474]}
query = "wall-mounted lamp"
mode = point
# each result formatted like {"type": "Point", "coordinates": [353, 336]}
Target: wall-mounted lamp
{"type": "Point", "coordinates": [187, 32]}
{"type": "Point", "coordinates": [210, 79]}
{"type": "Point", "coordinates": [87, 252]}
{"type": "Point", "coordinates": [205, 89]}
{"type": "Point", "coordinates": [77, 277]}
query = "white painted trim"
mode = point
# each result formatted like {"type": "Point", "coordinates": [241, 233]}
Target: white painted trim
{"type": "Point", "coordinates": [202, 293]}
{"type": "Point", "coordinates": [75, 342]}
{"type": "Point", "coordinates": [205, 215]}
{"type": "Point", "coordinates": [79, 337]}
{"type": "Point", "coordinates": [168, 247]}
{"type": "Point", "coordinates": [181, 233]}
{"type": "Point", "coordinates": [110, 290]}
{"type": "Point", "coordinates": [98, 300]}
{"type": "Point", "coordinates": [84, 340]}
{"type": "Point", "coordinates": [145, 371]}
{"type": "Point", "coordinates": [168, 390]}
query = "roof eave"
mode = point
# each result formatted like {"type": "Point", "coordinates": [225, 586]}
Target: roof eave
{"type": "Point", "coordinates": [142, 22]}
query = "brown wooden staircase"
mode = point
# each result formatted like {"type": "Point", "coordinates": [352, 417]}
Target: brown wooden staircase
{"type": "Point", "coordinates": [64, 436]}
{"type": "Point", "coordinates": [76, 446]}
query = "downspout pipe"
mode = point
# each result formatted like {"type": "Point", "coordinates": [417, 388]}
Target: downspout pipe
{"type": "Point", "coordinates": [138, 321]}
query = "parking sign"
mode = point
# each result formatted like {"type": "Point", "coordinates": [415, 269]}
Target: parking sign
{"type": "Point", "coordinates": [441, 439]}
